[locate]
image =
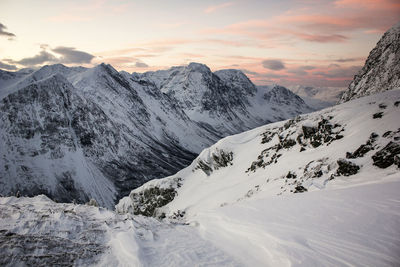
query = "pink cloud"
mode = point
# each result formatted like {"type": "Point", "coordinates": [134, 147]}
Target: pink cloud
{"type": "Point", "coordinates": [214, 8]}
{"type": "Point", "coordinates": [368, 4]}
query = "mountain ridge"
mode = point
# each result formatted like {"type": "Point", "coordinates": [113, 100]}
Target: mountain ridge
{"type": "Point", "coordinates": [119, 127]}
{"type": "Point", "coordinates": [381, 70]}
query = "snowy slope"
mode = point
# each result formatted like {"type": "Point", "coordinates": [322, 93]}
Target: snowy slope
{"type": "Point", "coordinates": [381, 70]}
{"type": "Point", "coordinates": [320, 189]}
{"type": "Point", "coordinates": [80, 133]}
{"type": "Point", "coordinates": [37, 231]}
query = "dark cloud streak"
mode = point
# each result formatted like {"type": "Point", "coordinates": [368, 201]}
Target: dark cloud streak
{"type": "Point", "coordinates": [273, 64]}
{"type": "Point", "coordinates": [42, 57]}
{"type": "Point", "coordinates": [7, 66]}
{"type": "Point", "coordinates": [141, 65]}
{"type": "Point", "coordinates": [71, 55]}
{"type": "Point", "coordinates": [5, 33]}
{"type": "Point", "coordinates": [67, 55]}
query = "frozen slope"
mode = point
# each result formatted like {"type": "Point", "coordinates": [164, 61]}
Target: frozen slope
{"type": "Point", "coordinates": [321, 189]}
{"type": "Point", "coordinates": [354, 226]}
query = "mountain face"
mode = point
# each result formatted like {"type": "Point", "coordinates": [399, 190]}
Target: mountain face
{"type": "Point", "coordinates": [318, 97]}
{"type": "Point", "coordinates": [381, 70]}
{"type": "Point", "coordinates": [78, 133]}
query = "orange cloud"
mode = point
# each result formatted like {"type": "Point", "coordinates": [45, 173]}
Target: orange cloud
{"type": "Point", "coordinates": [368, 4]}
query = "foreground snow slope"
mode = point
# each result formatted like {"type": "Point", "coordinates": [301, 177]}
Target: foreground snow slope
{"type": "Point", "coordinates": [37, 231]}
{"type": "Point", "coordinates": [355, 226]}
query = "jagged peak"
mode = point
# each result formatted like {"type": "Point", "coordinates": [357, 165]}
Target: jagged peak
{"type": "Point", "coordinates": [107, 67]}
{"type": "Point", "coordinates": [198, 67]}
{"type": "Point", "coordinates": [381, 70]}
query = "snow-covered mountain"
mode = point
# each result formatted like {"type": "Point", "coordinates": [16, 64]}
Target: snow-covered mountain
{"type": "Point", "coordinates": [75, 133]}
{"type": "Point", "coordinates": [381, 70]}
{"type": "Point", "coordinates": [318, 97]}
{"type": "Point", "coordinates": [319, 189]}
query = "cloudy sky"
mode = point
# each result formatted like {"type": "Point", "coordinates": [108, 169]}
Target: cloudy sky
{"type": "Point", "coordinates": [291, 42]}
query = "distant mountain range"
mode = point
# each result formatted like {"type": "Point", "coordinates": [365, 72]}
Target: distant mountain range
{"type": "Point", "coordinates": [77, 133]}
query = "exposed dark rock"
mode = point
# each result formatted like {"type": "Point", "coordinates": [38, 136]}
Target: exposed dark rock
{"type": "Point", "coordinates": [146, 201]}
{"type": "Point", "coordinates": [204, 166]}
{"type": "Point", "coordinates": [315, 143]}
{"type": "Point", "coordinates": [309, 131]}
{"type": "Point", "coordinates": [318, 173]}
{"type": "Point", "coordinates": [346, 168]}
{"type": "Point", "coordinates": [387, 155]}
{"type": "Point", "coordinates": [377, 115]}
{"type": "Point", "coordinates": [291, 175]}
{"type": "Point", "coordinates": [267, 137]}
{"type": "Point", "coordinates": [288, 143]}
{"type": "Point", "coordinates": [219, 159]}
{"type": "Point", "coordinates": [321, 134]}
{"type": "Point", "coordinates": [300, 189]}
{"type": "Point", "coordinates": [386, 134]}
{"type": "Point", "coordinates": [363, 149]}
{"type": "Point", "coordinates": [382, 106]}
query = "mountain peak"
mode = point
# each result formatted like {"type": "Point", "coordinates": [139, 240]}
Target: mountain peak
{"type": "Point", "coordinates": [198, 67]}
{"type": "Point", "coordinates": [381, 71]}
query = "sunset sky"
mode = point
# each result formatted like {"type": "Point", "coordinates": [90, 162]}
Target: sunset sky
{"type": "Point", "coordinates": [297, 42]}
